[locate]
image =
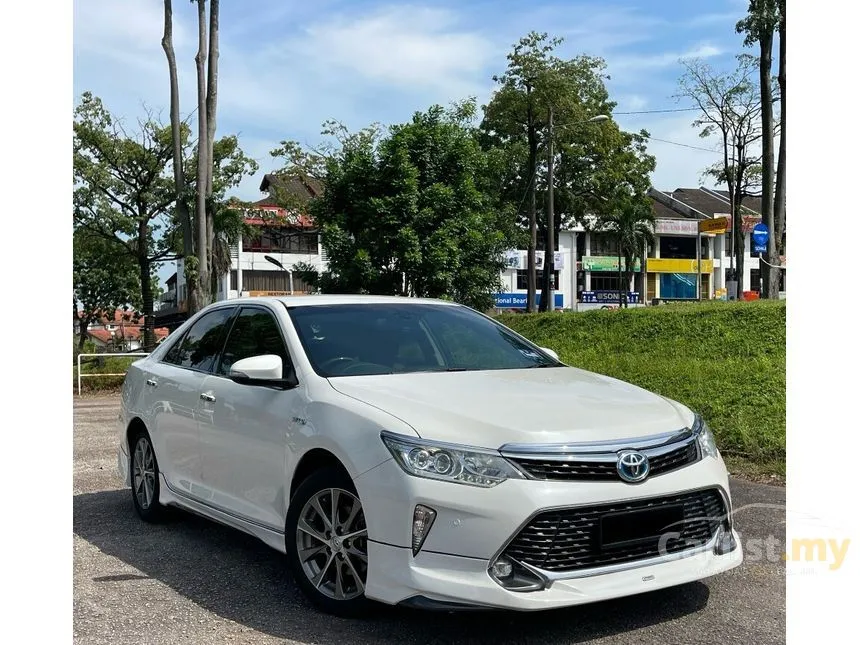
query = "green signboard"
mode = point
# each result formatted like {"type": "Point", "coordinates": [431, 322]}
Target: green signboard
{"type": "Point", "coordinates": [604, 263]}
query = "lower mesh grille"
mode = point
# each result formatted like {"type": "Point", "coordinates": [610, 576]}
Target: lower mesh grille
{"type": "Point", "coordinates": [570, 539]}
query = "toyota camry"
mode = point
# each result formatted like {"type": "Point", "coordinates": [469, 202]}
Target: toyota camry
{"type": "Point", "coordinates": [417, 452]}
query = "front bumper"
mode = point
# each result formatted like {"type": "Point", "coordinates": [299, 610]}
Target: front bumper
{"type": "Point", "coordinates": [473, 524]}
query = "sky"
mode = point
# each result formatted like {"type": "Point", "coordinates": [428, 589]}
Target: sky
{"type": "Point", "coordinates": [285, 66]}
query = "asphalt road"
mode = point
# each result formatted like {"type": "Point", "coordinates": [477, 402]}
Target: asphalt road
{"type": "Point", "coordinates": [194, 581]}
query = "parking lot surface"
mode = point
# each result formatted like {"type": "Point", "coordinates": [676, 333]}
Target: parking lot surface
{"type": "Point", "coordinates": [194, 581]}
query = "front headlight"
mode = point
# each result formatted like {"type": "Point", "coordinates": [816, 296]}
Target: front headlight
{"type": "Point", "coordinates": [707, 444]}
{"type": "Point", "coordinates": [446, 462]}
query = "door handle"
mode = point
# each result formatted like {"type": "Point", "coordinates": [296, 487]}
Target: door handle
{"type": "Point", "coordinates": [208, 397]}
{"type": "Point", "coordinates": [152, 382]}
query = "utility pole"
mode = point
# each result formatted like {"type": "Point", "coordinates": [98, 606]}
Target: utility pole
{"type": "Point", "coordinates": [549, 255]}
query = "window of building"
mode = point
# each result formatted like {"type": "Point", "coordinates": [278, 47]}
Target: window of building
{"type": "Point", "coordinates": [603, 244]}
{"type": "Point", "coordinates": [523, 279]}
{"type": "Point", "coordinates": [605, 281]}
{"type": "Point", "coordinates": [678, 247]}
{"type": "Point", "coordinates": [755, 280]}
{"type": "Point", "coordinates": [282, 240]}
{"type": "Point", "coordinates": [257, 280]}
{"type": "Point", "coordinates": [678, 285]}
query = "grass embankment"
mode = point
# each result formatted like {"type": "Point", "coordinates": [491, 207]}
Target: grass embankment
{"type": "Point", "coordinates": [103, 365]}
{"type": "Point", "coordinates": [723, 360]}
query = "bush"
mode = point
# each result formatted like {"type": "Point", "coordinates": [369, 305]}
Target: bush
{"type": "Point", "coordinates": [725, 360]}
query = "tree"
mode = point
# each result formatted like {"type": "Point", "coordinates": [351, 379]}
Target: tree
{"type": "Point", "coordinates": [124, 188]}
{"type": "Point", "coordinates": [104, 280]}
{"type": "Point", "coordinates": [203, 257]}
{"type": "Point", "coordinates": [410, 212]}
{"type": "Point", "coordinates": [759, 26]}
{"type": "Point", "coordinates": [779, 198]}
{"type": "Point", "coordinates": [122, 192]}
{"type": "Point", "coordinates": [589, 159]}
{"type": "Point", "coordinates": [631, 222]}
{"type": "Point", "coordinates": [183, 212]}
{"type": "Point", "coordinates": [730, 105]}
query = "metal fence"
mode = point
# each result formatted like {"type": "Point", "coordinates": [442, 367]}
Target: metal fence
{"type": "Point", "coordinates": [111, 355]}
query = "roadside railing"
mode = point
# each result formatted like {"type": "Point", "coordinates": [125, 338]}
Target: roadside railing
{"type": "Point", "coordinates": [111, 355]}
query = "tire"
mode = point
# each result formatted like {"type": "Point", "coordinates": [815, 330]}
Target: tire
{"type": "Point", "coordinates": [329, 560]}
{"type": "Point", "coordinates": [145, 486]}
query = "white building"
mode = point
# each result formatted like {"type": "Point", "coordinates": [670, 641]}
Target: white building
{"type": "Point", "coordinates": [262, 264]}
{"type": "Point", "coordinates": [586, 262]}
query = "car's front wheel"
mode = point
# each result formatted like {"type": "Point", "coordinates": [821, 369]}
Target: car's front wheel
{"type": "Point", "coordinates": [327, 543]}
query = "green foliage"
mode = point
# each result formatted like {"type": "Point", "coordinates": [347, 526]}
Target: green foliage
{"type": "Point", "coordinates": [592, 159]}
{"type": "Point", "coordinates": [723, 360]}
{"type": "Point", "coordinates": [102, 365]}
{"type": "Point", "coordinates": [124, 196]}
{"type": "Point", "coordinates": [104, 279]}
{"type": "Point", "coordinates": [411, 212]}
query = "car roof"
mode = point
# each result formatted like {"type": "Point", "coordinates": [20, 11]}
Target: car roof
{"type": "Point", "coordinates": [339, 299]}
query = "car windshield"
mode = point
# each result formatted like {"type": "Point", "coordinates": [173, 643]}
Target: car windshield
{"type": "Point", "coordinates": [364, 339]}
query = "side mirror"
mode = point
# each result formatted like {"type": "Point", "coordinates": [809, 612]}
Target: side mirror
{"type": "Point", "coordinates": [263, 370]}
{"type": "Point", "coordinates": [551, 353]}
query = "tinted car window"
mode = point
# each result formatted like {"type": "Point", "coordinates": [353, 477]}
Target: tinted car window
{"type": "Point", "coordinates": [200, 346]}
{"type": "Point", "coordinates": [255, 332]}
{"type": "Point", "coordinates": [349, 340]}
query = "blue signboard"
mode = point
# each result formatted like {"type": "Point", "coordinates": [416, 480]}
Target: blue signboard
{"type": "Point", "coordinates": [607, 297]}
{"type": "Point", "coordinates": [518, 300]}
{"type": "Point", "coordinates": [760, 235]}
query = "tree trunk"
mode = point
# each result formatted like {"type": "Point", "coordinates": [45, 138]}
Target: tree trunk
{"type": "Point", "coordinates": [211, 106]}
{"type": "Point", "coordinates": [203, 164]}
{"type": "Point", "coordinates": [83, 323]}
{"type": "Point", "coordinates": [545, 275]}
{"type": "Point", "coordinates": [738, 233]}
{"type": "Point", "coordinates": [182, 212]}
{"type": "Point", "coordinates": [145, 286]}
{"type": "Point", "coordinates": [779, 199]}
{"type": "Point", "coordinates": [769, 287]}
{"type": "Point", "coordinates": [532, 272]}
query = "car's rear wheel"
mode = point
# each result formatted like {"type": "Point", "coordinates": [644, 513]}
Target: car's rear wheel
{"type": "Point", "coordinates": [327, 543]}
{"type": "Point", "coordinates": [144, 479]}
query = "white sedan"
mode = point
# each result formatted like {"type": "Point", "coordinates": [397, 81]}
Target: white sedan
{"type": "Point", "coordinates": [417, 452]}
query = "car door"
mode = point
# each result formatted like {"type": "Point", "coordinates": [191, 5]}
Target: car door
{"type": "Point", "coordinates": [173, 395]}
{"type": "Point", "coordinates": [244, 428]}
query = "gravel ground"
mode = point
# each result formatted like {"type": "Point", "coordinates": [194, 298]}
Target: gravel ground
{"type": "Point", "coordinates": [194, 581]}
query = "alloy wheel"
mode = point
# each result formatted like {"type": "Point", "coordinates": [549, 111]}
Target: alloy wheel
{"type": "Point", "coordinates": [331, 540]}
{"type": "Point", "coordinates": [143, 471]}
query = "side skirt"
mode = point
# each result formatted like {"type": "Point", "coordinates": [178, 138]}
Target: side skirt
{"type": "Point", "coordinates": [170, 497]}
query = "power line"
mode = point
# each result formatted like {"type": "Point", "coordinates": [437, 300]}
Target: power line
{"type": "Point", "coordinates": [683, 145]}
{"type": "Point", "coordinates": [689, 109]}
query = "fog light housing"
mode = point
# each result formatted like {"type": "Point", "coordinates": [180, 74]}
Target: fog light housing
{"type": "Point", "coordinates": [503, 568]}
{"type": "Point", "coordinates": [422, 519]}
{"type": "Point", "coordinates": [516, 576]}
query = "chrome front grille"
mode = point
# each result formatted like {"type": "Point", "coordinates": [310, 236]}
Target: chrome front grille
{"type": "Point", "coordinates": [572, 463]}
{"type": "Point", "coordinates": [570, 539]}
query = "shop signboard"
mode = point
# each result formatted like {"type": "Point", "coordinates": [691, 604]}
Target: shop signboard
{"type": "Point", "coordinates": [605, 263]}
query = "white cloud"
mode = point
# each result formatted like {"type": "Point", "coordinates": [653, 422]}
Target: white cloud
{"type": "Point", "coordinates": [409, 47]}
{"type": "Point", "coordinates": [629, 63]}
{"type": "Point", "coordinates": [709, 19]}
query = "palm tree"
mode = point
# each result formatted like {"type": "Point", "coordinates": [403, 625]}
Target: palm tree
{"type": "Point", "coordinates": [632, 225]}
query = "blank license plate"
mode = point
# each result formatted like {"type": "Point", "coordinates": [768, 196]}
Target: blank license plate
{"type": "Point", "coordinates": [646, 525]}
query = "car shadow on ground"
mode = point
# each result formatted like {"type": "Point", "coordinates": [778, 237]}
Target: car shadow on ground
{"type": "Point", "coordinates": [240, 579]}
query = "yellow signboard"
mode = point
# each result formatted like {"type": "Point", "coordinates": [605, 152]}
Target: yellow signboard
{"type": "Point", "coordinates": [255, 294]}
{"type": "Point", "coordinates": [717, 225]}
{"type": "Point", "coordinates": [672, 265]}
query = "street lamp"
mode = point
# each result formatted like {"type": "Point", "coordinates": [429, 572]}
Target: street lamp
{"type": "Point", "coordinates": [550, 211]}
{"type": "Point", "coordinates": [278, 264]}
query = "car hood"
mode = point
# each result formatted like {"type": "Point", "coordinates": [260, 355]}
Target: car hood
{"type": "Point", "coordinates": [491, 408]}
